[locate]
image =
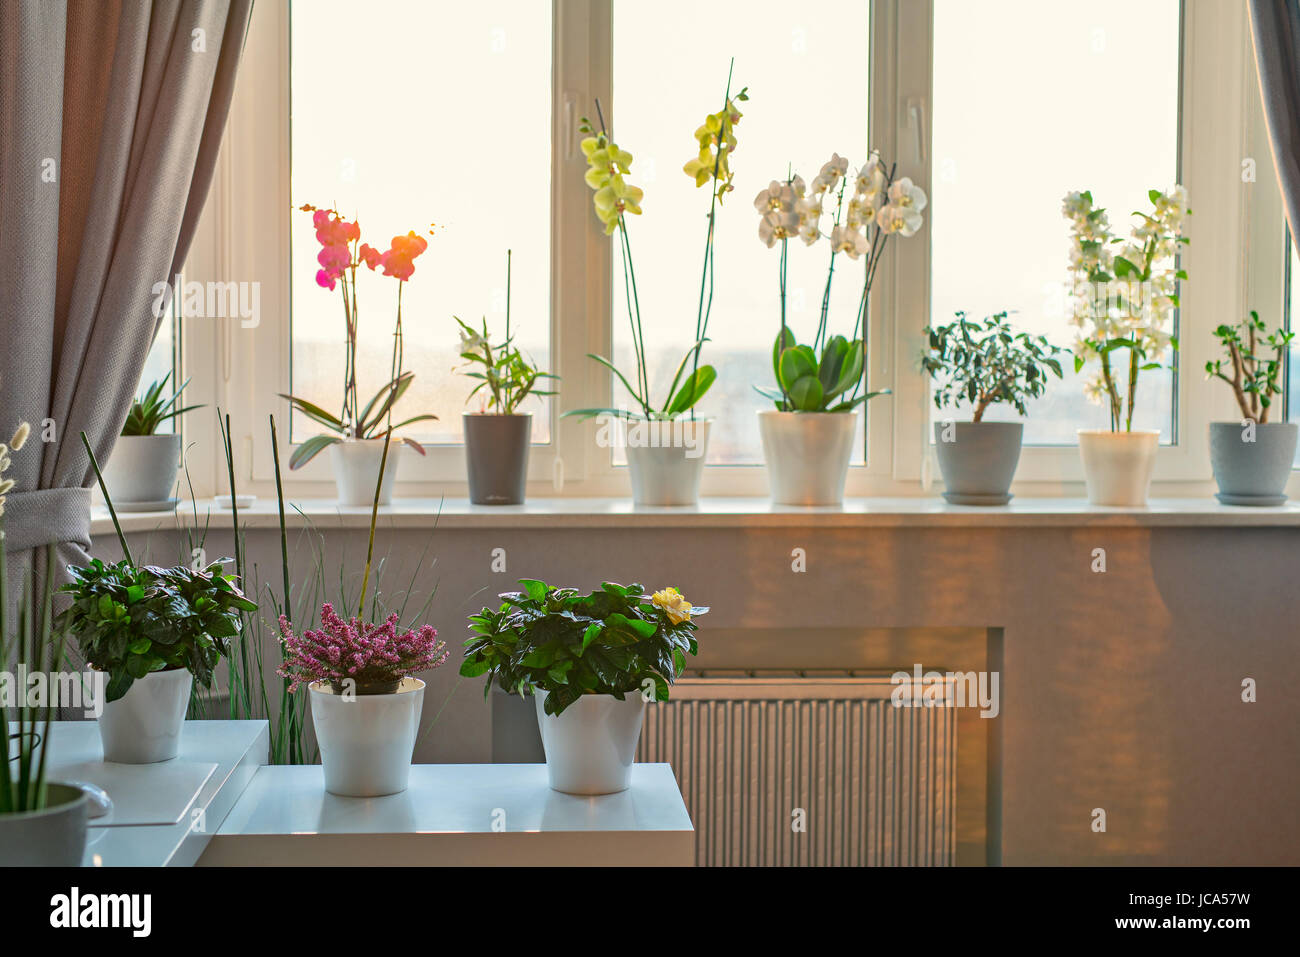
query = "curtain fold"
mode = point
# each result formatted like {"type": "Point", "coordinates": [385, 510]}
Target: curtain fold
{"type": "Point", "coordinates": [1275, 30]}
{"type": "Point", "coordinates": [111, 116]}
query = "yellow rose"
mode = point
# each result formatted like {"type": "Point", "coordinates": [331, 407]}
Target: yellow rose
{"type": "Point", "coordinates": [674, 605]}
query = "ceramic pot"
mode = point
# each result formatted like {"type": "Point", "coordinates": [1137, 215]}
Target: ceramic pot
{"type": "Point", "coordinates": [807, 455]}
{"type": "Point", "coordinates": [144, 725]}
{"type": "Point", "coordinates": [356, 467]}
{"type": "Point", "coordinates": [366, 740]}
{"type": "Point", "coordinates": [496, 456]}
{"type": "Point", "coordinates": [142, 468]}
{"type": "Point", "coordinates": [1118, 465]}
{"type": "Point", "coordinates": [1252, 465]}
{"type": "Point", "coordinates": [977, 460]}
{"type": "Point", "coordinates": [54, 836]}
{"type": "Point", "coordinates": [666, 460]}
{"type": "Point", "coordinates": [591, 746]}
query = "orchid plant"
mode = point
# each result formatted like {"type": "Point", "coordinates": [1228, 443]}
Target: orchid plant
{"type": "Point", "coordinates": [827, 375]}
{"type": "Point", "coordinates": [614, 198]}
{"type": "Point", "coordinates": [1124, 298]}
{"type": "Point", "coordinates": [342, 254]}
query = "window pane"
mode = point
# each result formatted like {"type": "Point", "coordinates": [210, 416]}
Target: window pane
{"type": "Point", "coordinates": [161, 363]}
{"type": "Point", "coordinates": [406, 114]}
{"type": "Point", "coordinates": [806, 66]}
{"type": "Point", "coordinates": [1293, 323]}
{"type": "Point", "coordinates": [1013, 133]}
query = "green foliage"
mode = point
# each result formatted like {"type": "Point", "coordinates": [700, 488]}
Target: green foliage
{"type": "Point", "coordinates": [507, 376]}
{"type": "Point", "coordinates": [568, 644]}
{"type": "Point", "coordinates": [130, 621]}
{"type": "Point", "coordinates": [150, 410]}
{"type": "Point", "coordinates": [987, 361]}
{"type": "Point", "coordinates": [1255, 378]}
{"type": "Point", "coordinates": [812, 383]}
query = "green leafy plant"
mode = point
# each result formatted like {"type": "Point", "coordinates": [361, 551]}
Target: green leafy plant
{"type": "Point", "coordinates": [1255, 378]}
{"type": "Point", "coordinates": [817, 383]}
{"type": "Point", "coordinates": [152, 409]}
{"type": "Point", "coordinates": [987, 361]}
{"type": "Point", "coordinates": [614, 641]}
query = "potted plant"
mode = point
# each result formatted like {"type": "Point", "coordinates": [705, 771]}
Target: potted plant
{"type": "Point", "coordinates": [354, 440]}
{"type": "Point", "coordinates": [142, 469]}
{"type": "Point", "coordinates": [808, 436]}
{"type": "Point", "coordinates": [591, 663]}
{"type": "Point", "coordinates": [497, 437]}
{"type": "Point", "coordinates": [1124, 301]}
{"type": "Point", "coordinates": [666, 443]}
{"type": "Point", "coordinates": [1252, 459]}
{"type": "Point", "coordinates": [983, 363]}
{"type": "Point", "coordinates": [152, 631]}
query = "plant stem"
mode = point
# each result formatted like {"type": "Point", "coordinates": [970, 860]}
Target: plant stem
{"type": "Point", "coordinates": [108, 500]}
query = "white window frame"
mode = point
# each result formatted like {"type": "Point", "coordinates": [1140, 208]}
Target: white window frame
{"type": "Point", "coordinates": [244, 235]}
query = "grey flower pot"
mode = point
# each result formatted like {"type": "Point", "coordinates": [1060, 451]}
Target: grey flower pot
{"type": "Point", "coordinates": [1252, 472]}
{"type": "Point", "coordinates": [52, 837]}
{"type": "Point", "coordinates": [496, 456]}
{"type": "Point", "coordinates": [978, 460]}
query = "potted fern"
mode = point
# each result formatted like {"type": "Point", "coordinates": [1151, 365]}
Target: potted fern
{"type": "Point", "coordinates": [1252, 459]}
{"type": "Point", "coordinates": [141, 472]}
{"type": "Point", "coordinates": [591, 662]}
{"type": "Point", "coordinates": [497, 437]}
{"type": "Point", "coordinates": [983, 363]}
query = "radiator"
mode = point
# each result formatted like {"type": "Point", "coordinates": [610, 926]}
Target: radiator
{"type": "Point", "coordinates": [876, 784]}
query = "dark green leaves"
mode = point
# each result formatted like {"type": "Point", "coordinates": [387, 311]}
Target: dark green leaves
{"type": "Point", "coordinates": [817, 384]}
{"type": "Point", "coordinates": [151, 410]}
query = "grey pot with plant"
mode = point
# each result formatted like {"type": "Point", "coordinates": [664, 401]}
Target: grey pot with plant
{"type": "Point", "coordinates": [141, 472]}
{"type": "Point", "coordinates": [497, 438]}
{"type": "Point", "coordinates": [983, 363]}
{"type": "Point", "coordinates": [1252, 459]}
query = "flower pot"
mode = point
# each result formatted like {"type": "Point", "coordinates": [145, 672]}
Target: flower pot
{"type": "Point", "coordinates": [144, 725]}
{"type": "Point", "coordinates": [496, 456]}
{"type": "Point", "coordinates": [977, 460]}
{"type": "Point", "coordinates": [54, 836]}
{"type": "Point", "coordinates": [807, 455]}
{"type": "Point", "coordinates": [356, 467]}
{"type": "Point", "coordinates": [591, 746]}
{"type": "Point", "coordinates": [666, 460]}
{"type": "Point", "coordinates": [1117, 465]}
{"type": "Point", "coordinates": [1251, 466]}
{"type": "Point", "coordinates": [366, 740]}
{"type": "Point", "coordinates": [142, 468]}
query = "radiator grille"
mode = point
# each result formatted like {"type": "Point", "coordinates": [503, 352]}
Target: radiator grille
{"type": "Point", "coordinates": [877, 783]}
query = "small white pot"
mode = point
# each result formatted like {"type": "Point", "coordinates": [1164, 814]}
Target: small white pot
{"type": "Point", "coordinates": [142, 468]}
{"type": "Point", "coordinates": [591, 745]}
{"type": "Point", "coordinates": [367, 740]}
{"type": "Point", "coordinates": [356, 467]}
{"type": "Point", "coordinates": [807, 455]}
{"type": "Point", "coordinates": [1118, 465]}
{"type": "Point", "coordinates": [666, 460]}
{"type": "Point", "coordinates": [144, 725]}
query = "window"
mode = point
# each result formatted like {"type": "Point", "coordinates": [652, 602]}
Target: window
{"type": "Point", "coordinates": [1032, 100]}
{"type": "Point", "coordinates": [162, 362]}
{"type": "Point", "coordinates": [1292, 309]}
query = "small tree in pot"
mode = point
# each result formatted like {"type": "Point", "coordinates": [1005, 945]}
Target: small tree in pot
{"type": "Point", "coordinates": [982, 363]}
{"type": "Point", "coordinates": [1252, 459]}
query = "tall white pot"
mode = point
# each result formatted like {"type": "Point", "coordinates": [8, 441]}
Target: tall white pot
{"type": "Point", "coordinates": [591, 745]}
{"type": "Point", "coordinates": [356, 467]}
{"type": "Point", "coordinates": [142, 468]}
{"type": "Point", "coordinates": [144, 725]}
{"type": "Point", "coordinates": [367, 740]}
{"type": "Point", "coordinates": [666, 460]}
{"type": "Point", "coordinates": [1118, 465]}
{"type": "Point", "coordinates": [807, 455]}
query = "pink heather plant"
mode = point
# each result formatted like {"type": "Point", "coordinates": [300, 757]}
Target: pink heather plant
{"type": "Point", "coordinates": [369, 654]}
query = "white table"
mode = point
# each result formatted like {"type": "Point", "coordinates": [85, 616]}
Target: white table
{"type": "Point", "coordinates": [455, 814]}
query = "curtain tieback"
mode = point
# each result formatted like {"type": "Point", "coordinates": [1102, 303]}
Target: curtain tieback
{"type": "Point", "coordinates": [46, 516]}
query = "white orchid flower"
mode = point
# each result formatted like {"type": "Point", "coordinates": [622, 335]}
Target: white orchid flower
{"type": "Point", "coordinates": [900, 220]}
{"type": "Point", "coordinates": [777, 224]}
{"type": "Point", "coordinates": [904, 193]}
{"type": "Point", "coordinates": [810, 213]}
{"type": "Point", "coordinates": [831, 172]}
{"type": "Point", "coordinates": [849, 241]}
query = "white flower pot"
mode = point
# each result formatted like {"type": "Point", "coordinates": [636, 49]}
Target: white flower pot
{"type": "Point", "coordinates": [54, 836]}
{"type": "Point", "coordinates": [366, 740]}
{"type": "Point", "coordinates": [142, 468]}
{"type": "Point", "coordinates": [144, 725]}
{"type": "Point", "coordinates": [807, 455]}
{"type": "Point", "coordinates": [356, 467]}
{"type": "Point", "coordinates": [591, 745]}
{"type": "Point", "coordinates": [666, 460]}
{"type": "Point", "coordinates": [1118, 465]}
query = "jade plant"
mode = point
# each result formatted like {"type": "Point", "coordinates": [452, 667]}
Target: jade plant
{"type": "Point", "coordinates": [615, 641]}
{"type": "Point", "coordinates": [1255, 378]}
{"type": "Point", "coordinates": [982, 362]}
